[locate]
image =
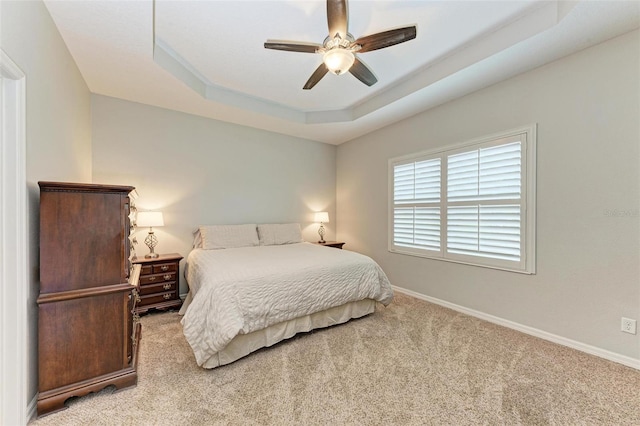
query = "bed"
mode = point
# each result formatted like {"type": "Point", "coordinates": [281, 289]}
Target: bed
{"type": "Point", "coordinates": [251, 291]}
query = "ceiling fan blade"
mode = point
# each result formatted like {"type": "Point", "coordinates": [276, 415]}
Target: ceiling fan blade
{"type": "Point", "coordinates": [316, 76]}
{"type": "Point", "coordinates": [292, 46]}
{"type": "Point", "coordinates": [337, 17]}
{"type": "Point", "coordinates": [363, 73]}
{"type": "Point", "coordinates": [385, 39]}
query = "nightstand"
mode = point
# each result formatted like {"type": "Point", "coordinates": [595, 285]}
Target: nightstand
{"type": "Point", "coordinates": [159, 282]}
{"type": "Point", "coordinates": [336, 244]}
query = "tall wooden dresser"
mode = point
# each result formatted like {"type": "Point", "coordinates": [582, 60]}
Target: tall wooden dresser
{"type": "Point", "coordinates": [87, 334]}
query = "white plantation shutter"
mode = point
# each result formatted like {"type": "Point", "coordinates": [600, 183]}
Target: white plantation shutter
{"type": "Point", "coordinates": [416, 188]}
{"type": "Point", "coordinates": [403, 187]}
{"type": "Point", "coordinates": [462, 176]}
{"type": "Point", "coordinates": [468, 204]}
{"type": "Point", "coordinates": [417, 182]}
{"type": "Point", "coordinates": [462, 230]}
{"type": "Point", "coordinates": [488, 231]}
{"type": "Point", "coordinates": [485, 175]}
{"type": "Point", "coordinates": [427, 227]}
{"type": "Point", "coordinates": [500, 171]}
{"type": "Point", "coordinates": [417, 227]}
{"type": "Point", "coordinates": [427, 181]}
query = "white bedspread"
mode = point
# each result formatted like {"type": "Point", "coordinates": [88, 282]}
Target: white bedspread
{"type": "Point", "coordinates": [240, 290]}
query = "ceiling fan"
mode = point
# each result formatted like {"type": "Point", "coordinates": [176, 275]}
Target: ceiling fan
{"type": "Point", "coordinates": [339, 48]}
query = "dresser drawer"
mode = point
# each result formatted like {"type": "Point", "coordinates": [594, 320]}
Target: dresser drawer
{"type": "Point", "coordinates": [146, 270]}
{"type": "Point", "coordinates": [157, 298]}
{"type": "Point", "coordinates": [164, 267]}
{"type": "Point", "coordinates": [158, 288]}
{"type": "Point", "coordinates": [157, 278]}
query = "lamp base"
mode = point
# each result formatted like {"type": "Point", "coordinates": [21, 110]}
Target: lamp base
{"type": "Point", "coordinates": [321, 233]}
{"type": "Point", "coordinates": [151, 241]}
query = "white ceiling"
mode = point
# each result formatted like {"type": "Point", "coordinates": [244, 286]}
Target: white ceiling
{"type": "Point", "coordinates": [207, 57]}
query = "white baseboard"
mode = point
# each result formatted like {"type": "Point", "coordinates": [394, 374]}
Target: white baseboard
{"type": "Point", "coordinates": [31, 408]}
{"type": "Point", "coordinates": [592, 350]}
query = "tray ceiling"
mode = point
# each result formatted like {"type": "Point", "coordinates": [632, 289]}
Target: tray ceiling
{"type": "Point", "coordinates": [207, 57]}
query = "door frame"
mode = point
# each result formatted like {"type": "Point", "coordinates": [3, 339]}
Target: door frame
{"type": "Point", "coordinates": [14, 354]}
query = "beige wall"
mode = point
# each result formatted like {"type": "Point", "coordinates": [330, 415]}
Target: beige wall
{"type": "Point", "coordinates": [58, 127]}
{"type": "Point", "coordinates": [587, 107]}
{"type": "Point", "coordinates": [202, 171]}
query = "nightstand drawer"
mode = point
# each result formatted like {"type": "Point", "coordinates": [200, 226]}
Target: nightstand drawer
{"type": "Point", "coordinates": [158, 288]}
{"type": "Point", "coordinates": [157, 298]}
{"type": "Point", "coordinates": [159, 282]}
{"type": "Point", "coordinates": [164, 267]}
{"type": "Point", "coordinates": [157, 278]}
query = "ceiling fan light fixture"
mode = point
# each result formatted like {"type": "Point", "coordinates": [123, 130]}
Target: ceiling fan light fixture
{"type": "Point", "coordinates": [338, 60]}
{"type": "Point", "coordinates": [339, 48]}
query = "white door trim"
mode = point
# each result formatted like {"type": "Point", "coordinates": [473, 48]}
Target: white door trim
{"type": "Point", "coordinates": [13, 244]}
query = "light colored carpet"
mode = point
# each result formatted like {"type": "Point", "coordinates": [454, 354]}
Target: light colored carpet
{"type": "Point", "coordinates": [410, 363]}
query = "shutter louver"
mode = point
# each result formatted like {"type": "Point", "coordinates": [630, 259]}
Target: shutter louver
{"type": "Point", "coordinates": [462, 231]}
{"type": "Point", "coordinates": [427, 227]}
{"type": "Point", "coordinates": [427, 181]}
{"type": "Point", "coordinates": [499, 232]}
{"type": "Point", "coordinates": [403, 226]}
{"type": "Point", "coordinates": [499, 172]}
{"type": "Point", "coordinates": [462, 176]}
{"type": "Point", "coordinates": [403, 183]}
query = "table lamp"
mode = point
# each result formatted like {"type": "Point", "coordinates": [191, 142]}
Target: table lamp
{"type": "Point", "coordinates": [150, 219]}
{"type": "Point", "coordinates": [322, 217]}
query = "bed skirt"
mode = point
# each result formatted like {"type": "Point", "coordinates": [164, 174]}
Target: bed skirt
{"type": "Point", "coordinates": [243, 344]}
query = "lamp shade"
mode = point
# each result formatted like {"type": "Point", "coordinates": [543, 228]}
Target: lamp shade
{"type": "Point", "coordinates": [150, 219]}
{"type": "Point", "coordinates": [322, 217]}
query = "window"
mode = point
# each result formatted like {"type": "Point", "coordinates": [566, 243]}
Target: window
{"type": "Point", "coordinates": [473, 203]}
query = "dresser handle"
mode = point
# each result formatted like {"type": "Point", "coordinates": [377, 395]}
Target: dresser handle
{"type": "Point", "coordinates": [152, 278]}
{"type": "Point", "coordinates": [135, 320]}
{"type": "Point", "coordinates": [167, 286]}
{"type": "Point", "coordinates": [167, 296]}
{"type": "Point", "coordinates": [164, 267]}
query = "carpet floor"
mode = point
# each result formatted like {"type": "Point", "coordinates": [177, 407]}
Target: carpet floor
{"type": "Point", "coordinates": [412, 363]}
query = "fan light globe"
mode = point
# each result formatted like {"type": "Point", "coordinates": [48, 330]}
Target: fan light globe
{"type": "Point", "coordinates": [338, 60]}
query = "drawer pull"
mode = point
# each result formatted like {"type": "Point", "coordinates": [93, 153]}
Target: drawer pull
{"type": "Point", "coordinates": [164, 267]}
{"type": "Point", "coordinates": [167, 277]}
{"type": "Point", "coordinates": [152, 278]}
{"type": "Point", "coordinates": [167, 286]}
{"type": "Point", "coordinates": [167, 296]}
{"type": "Point", "coordinates": [136, 320]}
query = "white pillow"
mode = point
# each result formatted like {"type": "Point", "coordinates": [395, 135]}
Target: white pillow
{"type": "Point", "coordinates": [228, 236]}
{"type": "Point", "coordinates": [280, 233]}
{"type": "Point", "coordinates": [197, 239]}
